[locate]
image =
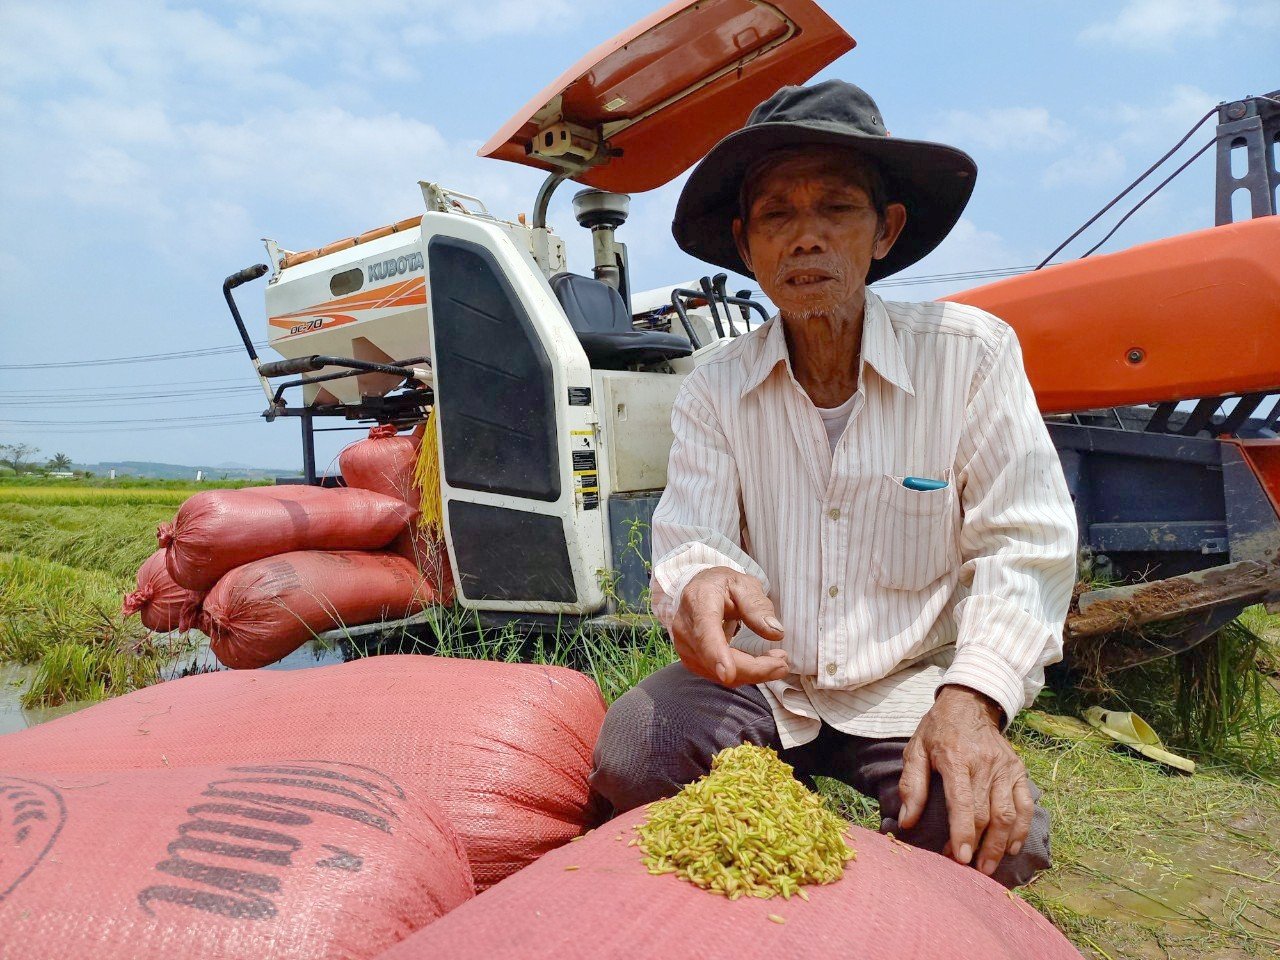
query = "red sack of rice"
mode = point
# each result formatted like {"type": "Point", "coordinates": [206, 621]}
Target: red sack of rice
{"type": "Point", "coordinates": [160, 603]}
{"type": "Point", "coordinates": [429, 554]}
{"type": "Point", "coordinates": [219, 530]}
{"type": "Point", "coordinates": [596, 900]}
{"type": "Point", "coordinates": [268, 860]}
{"type": "Point", "coordinates": [504, 748]}
{"type": "Point", "coordinates": [383, 462]}
{"type": "Point", "coordinates": [263, 611]}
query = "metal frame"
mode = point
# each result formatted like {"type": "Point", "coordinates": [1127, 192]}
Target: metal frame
{"type": "Point", "coordinates": [713, 291]}
{"type": "Point", "coordinates": [402, 409]}
{"type": "Point", "coordinates": [1252, 125]}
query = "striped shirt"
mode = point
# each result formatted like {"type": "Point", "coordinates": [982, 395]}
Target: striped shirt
{"type": "Point", "coordinates": [884, 592]}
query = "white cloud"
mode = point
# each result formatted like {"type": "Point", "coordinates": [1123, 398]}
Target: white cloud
{"type": "Point", "coordinates": [1162, 122]}
{"type": "Point", "coordinates": [1085, 165]}
{"type": "Point", "coordinates": [1160, 24]}
{"type": "Point", "coordinates": [476, 21]}
{"type": "Point", "coordinates": [124, 48]}
{"type": "Point", "coordinates": [167, 177]}
{"type": "Point", "coordinates": [171, 128]}
{"type": "Point", "coordinates": [1002, 129]}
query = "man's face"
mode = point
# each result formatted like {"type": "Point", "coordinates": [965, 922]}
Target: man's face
{"type": "Point", "coordinates": [812, 232]}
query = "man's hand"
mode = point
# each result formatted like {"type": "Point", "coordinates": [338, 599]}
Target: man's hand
{"type": "Point", "coordinates": [711, 605]}
{"type": "Point", "coordinates": [987, 791]}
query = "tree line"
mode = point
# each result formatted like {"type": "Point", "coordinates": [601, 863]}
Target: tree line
{"type": "Point", "coordinates": [24, 458]}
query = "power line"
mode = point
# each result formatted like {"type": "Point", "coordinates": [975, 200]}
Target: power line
{"type": "Point", "coordinates": [60, 391]}
{"type": "Point", "coordinates": [118, 400]}
{"type": "Point", "coordinates": [1138, 206]}
{"type": "Point", "coordinates": [991, 274]}
{"type": "Point", "coordinates": [1125, 192]}
{"type": "Point", "coordinates": [143, 420]}
{"type": "Point", "coordinates": [140, 358]}
{"type": "Point", "coordinates": [56, 431]}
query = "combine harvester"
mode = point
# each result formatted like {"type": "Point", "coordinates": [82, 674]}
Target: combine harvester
{"type": "Point", "coordinates": [553, 389]}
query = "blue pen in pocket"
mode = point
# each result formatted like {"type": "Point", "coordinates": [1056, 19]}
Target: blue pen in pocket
{"type": "Point", "coordinates": [922, 483]}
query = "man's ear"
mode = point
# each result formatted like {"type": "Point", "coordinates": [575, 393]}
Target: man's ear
{"type": "Point", "coordinates": [895, 218]}
{"type": "Point", "coordinates": [740, 241]}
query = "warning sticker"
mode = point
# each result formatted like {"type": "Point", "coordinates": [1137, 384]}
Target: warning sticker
{"type": "Point", "coordinates": [586, 478]}
{"type": "Point", "coordinates": [587, 483]}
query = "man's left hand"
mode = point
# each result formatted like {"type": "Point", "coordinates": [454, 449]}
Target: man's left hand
{"type": "Point", "coordinates": [987, 791]}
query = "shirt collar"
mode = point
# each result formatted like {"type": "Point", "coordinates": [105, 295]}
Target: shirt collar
{"type": "Point", "coordinates": [879, 348]}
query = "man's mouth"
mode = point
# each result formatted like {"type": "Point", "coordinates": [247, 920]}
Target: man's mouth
{"type": "Point", "coordinates": [807, 279]}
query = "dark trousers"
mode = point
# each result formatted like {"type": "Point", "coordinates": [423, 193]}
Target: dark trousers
{"type": "Point", "coordinates": [662, 734]}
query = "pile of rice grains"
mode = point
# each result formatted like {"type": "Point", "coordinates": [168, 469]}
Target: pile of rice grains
{"type": "Point", "coordinates": [748, 828]}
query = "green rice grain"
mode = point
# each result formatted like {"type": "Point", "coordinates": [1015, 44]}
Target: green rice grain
{"type": "Point", "coordinates": [747, 828]}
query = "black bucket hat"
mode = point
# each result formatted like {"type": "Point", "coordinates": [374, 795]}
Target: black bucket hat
{"type": "Point", "coordinates": [933, 181]}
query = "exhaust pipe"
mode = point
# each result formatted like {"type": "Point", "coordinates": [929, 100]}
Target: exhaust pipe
{"type": "Point", "coordinates": [235, 280]}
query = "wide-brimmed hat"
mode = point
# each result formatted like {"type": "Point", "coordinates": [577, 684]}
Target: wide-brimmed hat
{"type": "Point", "coordinates": [932, 180]}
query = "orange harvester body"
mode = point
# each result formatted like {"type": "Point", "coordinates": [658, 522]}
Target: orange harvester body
{"type": "Point", "coordinates": [1196, 315]}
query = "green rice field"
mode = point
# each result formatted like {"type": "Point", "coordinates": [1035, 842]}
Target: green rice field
{"type": "Point", "coordinates": [1149, 863]}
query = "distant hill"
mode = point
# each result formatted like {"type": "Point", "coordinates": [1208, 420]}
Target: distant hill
{"type": "Point", "coordinates": [177, 471]}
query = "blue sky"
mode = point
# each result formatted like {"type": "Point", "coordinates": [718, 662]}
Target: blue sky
{"type": "Point", "coordinates": [149, 145]}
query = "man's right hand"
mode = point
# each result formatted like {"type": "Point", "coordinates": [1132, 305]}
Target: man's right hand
{"type": "Point", "coordinates": [711, 606]}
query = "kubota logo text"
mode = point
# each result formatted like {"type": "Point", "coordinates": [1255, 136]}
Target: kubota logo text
{"type": "Point", "coordinates": [391, 268]}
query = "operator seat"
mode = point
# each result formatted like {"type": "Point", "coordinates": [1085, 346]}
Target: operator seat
{"type": "Point", "coordinates": [603, 325]}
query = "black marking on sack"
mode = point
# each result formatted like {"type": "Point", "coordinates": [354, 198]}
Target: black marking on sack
{"type": "Point", "coordinates": [41, 811]}
{"type": "Point", "coordinates": [341, 859]}
{"type": "Point", "coordinates": [239, 830]}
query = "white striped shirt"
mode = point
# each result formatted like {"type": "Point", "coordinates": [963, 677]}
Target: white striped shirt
{"type": "Point", "coordinates": [884, 592]}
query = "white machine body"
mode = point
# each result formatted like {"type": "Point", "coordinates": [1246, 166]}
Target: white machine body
{"type": "Point", "coordinates": [590, 437]}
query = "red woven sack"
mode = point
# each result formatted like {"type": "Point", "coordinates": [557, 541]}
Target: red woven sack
{"type": "Point", "coordinates": [505, 748]}
{"type": "Point", "coordinates": [429, 554]}
{"type": "Point", "coordinates": [265, 860]}
{"type": "Point", "coordinates": [894, 902]}
{"type": "Point", "coordinates": [383, 462]}
{"type": "Point", "coordinates": [266, 609]}
{"type": "Point", "coordinates": [219, 530]}
{"type": "Point", "coordinates": [160, 603]}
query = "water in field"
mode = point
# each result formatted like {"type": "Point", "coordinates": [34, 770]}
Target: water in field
{"type": "Point", "coordinates": [14, 679]}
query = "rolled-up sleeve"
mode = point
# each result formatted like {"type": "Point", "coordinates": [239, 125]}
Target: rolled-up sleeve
{"type": "Point", "coordinates": [697, 524]}
{"type": "Point", "coordinates": [1017, 541]}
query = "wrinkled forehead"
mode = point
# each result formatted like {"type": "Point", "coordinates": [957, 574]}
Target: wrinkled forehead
{"type": "Point", "coordinates": [832, 167]}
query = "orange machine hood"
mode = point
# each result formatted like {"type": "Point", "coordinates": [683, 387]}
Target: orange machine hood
{"type": "Point", "coordinates": [653, 100]}
{"type": "Point", "coordinates": [1196, 315]}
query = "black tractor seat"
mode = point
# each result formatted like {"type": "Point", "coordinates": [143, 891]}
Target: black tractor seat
{"type": "Point", "coordinates": [603, 325]}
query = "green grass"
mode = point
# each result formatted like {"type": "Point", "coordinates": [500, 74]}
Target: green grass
{"type": "Point", "coordinates": [10, 482]}
{"type": "Point", "coordinates": [617, 662]}
{"type": "Point", "coordinates": [110, 540]}
{"type": "Point", "coordinates": [1148, 863]}
{"type": "Point", "coordinates": [68, 554]}
{"type": "Point", "coordinates": [67, 623]}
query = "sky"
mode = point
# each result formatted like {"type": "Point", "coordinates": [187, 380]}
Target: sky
{"type": "Point", "coordinates": [148, 146]}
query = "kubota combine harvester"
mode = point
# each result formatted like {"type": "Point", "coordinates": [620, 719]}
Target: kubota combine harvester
{"type": "Point", "coordinates": [1157, 368]}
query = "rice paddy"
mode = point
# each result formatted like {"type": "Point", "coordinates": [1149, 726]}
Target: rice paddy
{"type": "Point", "coordinates": [1149, 863]}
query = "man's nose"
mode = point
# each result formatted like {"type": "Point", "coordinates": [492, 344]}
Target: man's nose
{"type": "Point", "coordinates": [808, 237]}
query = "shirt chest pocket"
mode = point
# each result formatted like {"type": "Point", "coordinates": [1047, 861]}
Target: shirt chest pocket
{"type": "Point", "coordinates": [913, 540]}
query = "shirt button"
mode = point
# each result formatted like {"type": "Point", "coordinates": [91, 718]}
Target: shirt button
{"type": "Point", "coordinates": [834, 513]}
{"type": "Point", "coordinates": [831, 669]}
{"type": "Point", "coordinates": [833, 591]}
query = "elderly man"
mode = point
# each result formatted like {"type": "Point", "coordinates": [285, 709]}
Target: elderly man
{"type": "Point", "coordinates": [866, 548]}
